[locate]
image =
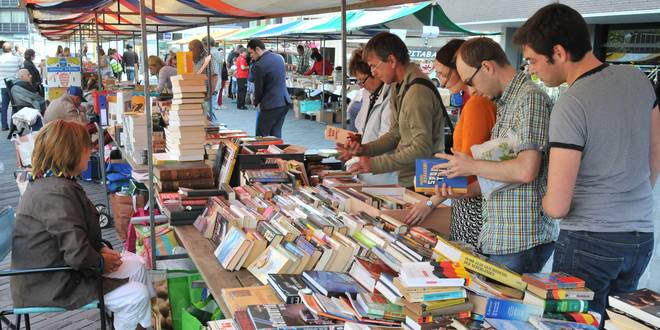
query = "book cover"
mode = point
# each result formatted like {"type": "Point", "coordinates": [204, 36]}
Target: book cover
{"type": "Point", "coordinates": [427, 176]}
{"type": "Point", "coordinates": [332, 284]}
{"type": "Point", "coordinates": [230, 246]}
{"type": "Point", "coordinates": [242, 320]}
{"type": "Point", "coordinates": [549, 324]}
{"type": "Point", "coordinates": [553, 281]}
{"type": "Point", "coordinates": [559, 294]}
{"type": "Point", "coordinates": [421, 274]}
{"type": "Point", "coordinates": [238, 299]}
{"type": "Point", "coordinates": [500, 324]}
{"type": "Point", "coordinates": [276, 316]}
{"type": "Point", "coordinates": [511, 310]}
{"type": "Point", "coordinates": [643, 304]}
{"type": "Point", "coordinates": [586, 318]}
{"type": "Point", "coordinates": [478, 264]}
{"type": "Point", "coordinates": [227, 168]}
{"type": "Point", "coordinates": [560, 306]}
{"type": "Point", "coordinates": [272, 261]}
{"type": "Point", "coordinates": [378, 307]}
{"type": "Point", "coordinates": [287, 286]}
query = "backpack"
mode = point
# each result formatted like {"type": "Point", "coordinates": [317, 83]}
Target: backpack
{"type": "Point", "coordinates": [449, 138]}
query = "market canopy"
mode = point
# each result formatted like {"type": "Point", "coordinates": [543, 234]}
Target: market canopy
{"type": "Point", "coordinates": [57, 19]}
{"type": "Point", "coordinates": [360, 23]}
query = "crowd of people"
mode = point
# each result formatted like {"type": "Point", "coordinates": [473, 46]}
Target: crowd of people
{"type": "Point", "coordinates": [581, 183]}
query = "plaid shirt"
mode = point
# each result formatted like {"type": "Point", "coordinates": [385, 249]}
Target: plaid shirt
{"type": "Point", "coordinates": [514, 219]}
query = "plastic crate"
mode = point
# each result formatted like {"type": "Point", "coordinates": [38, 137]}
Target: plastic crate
{"type": "Point", "coordinates": [308, 106]}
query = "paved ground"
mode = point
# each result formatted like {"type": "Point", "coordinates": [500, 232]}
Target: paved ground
{"type": "Point", "coordinates": [301, 132]}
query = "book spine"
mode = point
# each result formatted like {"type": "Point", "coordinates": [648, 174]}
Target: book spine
{"type": "Point", "coordinates": [570, 294]}
{"type": "Point", "coordinates": [491, 271]}
{"type": "Point", "coordinates": [563, 306]}
{"type": "Point", "coordinates": [439, 296]}
{"type": "Point", "coordinates": [584, 318]}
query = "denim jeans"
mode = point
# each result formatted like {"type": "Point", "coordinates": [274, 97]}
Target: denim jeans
{"type": "Point", "coordinates": [609, 263]}
{"type": "Point", "coordinates": [130, 73]}
{"type": "Point", "coordinates": [4, 107]}
{"type": "Point", "coordinates": [269, 122]}
{"type": "Point", "coordinates": [528, 261]}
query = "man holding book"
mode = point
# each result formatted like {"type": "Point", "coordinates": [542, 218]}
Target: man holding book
{"type": "Point", "coordinates": [515, 233]}
{"type": "Point", "coordinates": [416, 125]}
{"type": "Point", "coordinates": [601, 174]}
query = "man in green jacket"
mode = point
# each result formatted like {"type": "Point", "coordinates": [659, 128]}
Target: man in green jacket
{"type": "Point", "coordinates": [417, 123]}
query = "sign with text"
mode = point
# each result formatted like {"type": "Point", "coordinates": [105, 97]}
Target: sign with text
{"type": "Point", "coordinates": [423, 53]}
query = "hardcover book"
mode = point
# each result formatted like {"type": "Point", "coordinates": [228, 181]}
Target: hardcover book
{"type": "Point", "coordinates": [277, 316]}
{"type": "Point", "coordinates": [643, 304]}
{"type": "Point", "coordinates": [421, 274]}
{"type": "Point", "coordinates": [549, 324]}
{"type": "Point", "coordinates": [185, 171]}
{"type": "Point", "coordinates": [427, 176]}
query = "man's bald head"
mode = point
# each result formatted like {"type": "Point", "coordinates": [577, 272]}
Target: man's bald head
{"type": "Point", "coordinates": [6, 47]}
{"type": "Point", "coordinates": [24, 75]}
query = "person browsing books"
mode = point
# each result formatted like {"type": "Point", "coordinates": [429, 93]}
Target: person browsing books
{"type": "Point", "coordinates": [516, 232]}
{"type": "Point", "coordinates": [373, 118]}
{"type": "Point", "coordinates": [477, 118]}
{"type": "Point", "coordinates": [164, 72]}
{"type": "Point", "coordinates": [57, 224]}
{"type": "Point", "coordinates": [601, 175]}
{"type": "Point", "coordinates": [416, 123]}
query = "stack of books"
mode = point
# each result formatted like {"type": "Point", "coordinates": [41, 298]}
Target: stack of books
{"type": "Point", "coordinates": [634, 310]}
{"type": "Point", "coordinates": [135, 136]}
{"type": "Point", "coordinates": [562, 297]}
{"type": "Point", "coordinates": [185, 133]}
{"type": "Point", "coordinates": [193, 175]}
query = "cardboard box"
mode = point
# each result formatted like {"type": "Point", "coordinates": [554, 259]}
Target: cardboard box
{"type": "Point", "coordinates": [325, 116]}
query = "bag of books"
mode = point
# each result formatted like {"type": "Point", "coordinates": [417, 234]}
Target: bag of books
{"type": "Point", "coordinates": [496, 150]}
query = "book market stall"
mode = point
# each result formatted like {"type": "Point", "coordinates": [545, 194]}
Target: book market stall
{"type": "Point", "coordinates": [282, 237]}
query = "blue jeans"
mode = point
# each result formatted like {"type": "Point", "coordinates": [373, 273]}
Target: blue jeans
{"type": "Point", "coordinates": [4, 107]}
{"type": "Point", "coordinates": [130, 73]}
{"type": "Point", "coordinates": [609, 263]}
{"type": "Point", "coordinates": [270, 122]}
{"type": "Point", "coordinates": [528, 261]}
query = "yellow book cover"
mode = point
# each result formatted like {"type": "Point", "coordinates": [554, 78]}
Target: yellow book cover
{"type": "Point", "coordinates": [238, 299]}
{"type": "Point", "coordinates": [478, 265]}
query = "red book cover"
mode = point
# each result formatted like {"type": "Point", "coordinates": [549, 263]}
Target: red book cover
{"type": "Point", "coordinates": [553, 281]}
{"type": "Point", "coordinates": [242, 321]}
{"type": "Point", "coordinates": [375, 267]}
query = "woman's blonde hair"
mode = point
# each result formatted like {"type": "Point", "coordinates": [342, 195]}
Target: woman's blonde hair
{"type": "Point", "coordinates": [58, 147]}
{"type": "Point", "coordinates": [155, 60]}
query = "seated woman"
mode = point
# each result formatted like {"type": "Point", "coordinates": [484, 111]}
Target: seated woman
{"type": "Point", "coordinates": [477, 118]}
{"type": "Point", "coordinates": [373, 119]}
{"type": "Point", "coordinates": [164, 72]}
{"type": "Point", "coordinates": [57, 225]}
{"type": "Point", "coordinates": [321, 67]}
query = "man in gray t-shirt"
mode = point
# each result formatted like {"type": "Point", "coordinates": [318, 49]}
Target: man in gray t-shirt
{"type": "Point", "coordinates": [600, 174]}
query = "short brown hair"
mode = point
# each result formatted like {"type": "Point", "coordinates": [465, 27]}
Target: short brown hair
{"type": "Point", "coordinates": [357, 63]}
{"type": "Point", "coordinates": [476, 50]}
{"type": "Point", "coordinates": [385, 44]}
{"type": "Point", "coordinates": [58, 147]}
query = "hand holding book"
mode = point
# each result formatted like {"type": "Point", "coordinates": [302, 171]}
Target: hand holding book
{"type": "Point", "coordinates": [458, 164]}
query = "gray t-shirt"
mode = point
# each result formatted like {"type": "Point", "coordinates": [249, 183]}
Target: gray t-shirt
{"type": "Point", "coordinates": [605, 114]}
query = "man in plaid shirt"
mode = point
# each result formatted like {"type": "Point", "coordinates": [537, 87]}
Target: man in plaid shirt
{"type": "Point", "coordinates": [516, 233]}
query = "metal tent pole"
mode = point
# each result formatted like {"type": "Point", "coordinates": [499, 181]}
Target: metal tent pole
{"type": "Point", "coordinates": [135, 76]}
{"type": "Point", "coordinates": [80, 35]}
{"type": "Point", "coordinates": [101, 129]}
{"type": "Point", "coordinates": [343, 64]}
{"type": "Point", "coordinates": [150, 151]}
{"type": "Point", "coordinates": [209, 71]}
{"type": "Point", "coordinates": [157, 47]}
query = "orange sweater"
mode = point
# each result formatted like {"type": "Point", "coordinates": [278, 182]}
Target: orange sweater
{"type": "Point", "coordinates": [474, 125]}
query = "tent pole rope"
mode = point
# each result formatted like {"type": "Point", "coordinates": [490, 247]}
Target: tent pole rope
{"type": "Point", "coordinates": [150, 128]}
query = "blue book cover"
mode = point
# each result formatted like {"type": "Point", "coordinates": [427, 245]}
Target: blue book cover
{"type": "Point", "coordinates": [511, 310]}
{"type": "Point", "coordinates": [332, 284]}
{"type": "Point", "coordinates": [444, 295]}
{"type": "Point", "coordinates": [427, 175]}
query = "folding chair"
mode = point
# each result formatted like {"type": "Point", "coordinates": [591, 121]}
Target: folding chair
{"type": "Point", "coordinates": [7, 215]}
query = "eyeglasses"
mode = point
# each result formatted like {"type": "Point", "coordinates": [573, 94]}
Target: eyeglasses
{"type": "Point", "coordinates": [375, 67]}
{"type": "Point", "coordinates": [362, 82]}
{"type": "Point", "coordinates": [469, 81]}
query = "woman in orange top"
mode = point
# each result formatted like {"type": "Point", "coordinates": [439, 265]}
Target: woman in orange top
{"type": "Point", "coordinates": [477, 118]}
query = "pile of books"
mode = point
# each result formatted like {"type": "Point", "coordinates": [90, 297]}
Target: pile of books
{"type": "Point", "coordinates": [135, 136]}
{"type": "Point", "coordinates": [562, 297]}
{"type": "Point", "coordinates": [635, 310]}
{"type": "Point", "coordinates": [185, 133]}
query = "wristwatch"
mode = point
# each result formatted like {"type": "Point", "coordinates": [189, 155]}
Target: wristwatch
{"type": "Point", "coordinates": [430, 204]}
